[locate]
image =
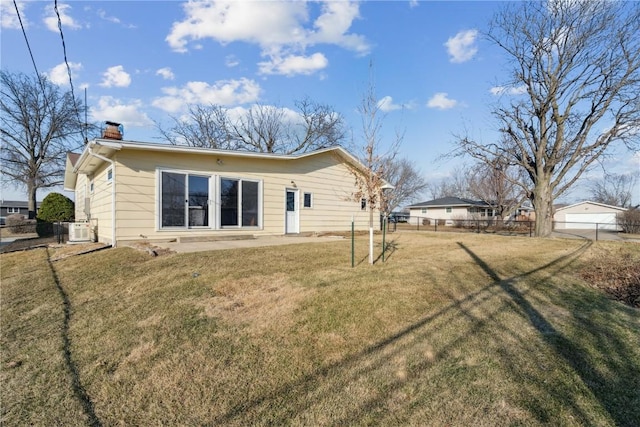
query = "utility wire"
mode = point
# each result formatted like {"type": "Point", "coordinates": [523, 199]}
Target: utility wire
{"type": "Point", "coordinates": [33, 61]}
{"type": "Point", "coordinates": [64, 51]}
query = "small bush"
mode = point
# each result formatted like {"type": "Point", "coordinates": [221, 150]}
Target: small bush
{"type": "Point", "coordinates": [629, 221]}
{"type": "Point", "coordinates": [17, 224]}
{"type": "Point", "coordinates": [56, 207]}
{"type": "Point", "coordinates": [44, 229]}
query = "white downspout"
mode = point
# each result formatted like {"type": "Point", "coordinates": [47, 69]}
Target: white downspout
{"type": "Point", "coordinates": [113, 193]}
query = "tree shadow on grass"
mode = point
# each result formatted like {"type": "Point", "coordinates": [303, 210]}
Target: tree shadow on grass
{"type": "Point", "coordinates": [477, 309]}
{"type": "Point", "coordinates": [76, 384]}
{"type": "Point", "coordinates": [602, 360]}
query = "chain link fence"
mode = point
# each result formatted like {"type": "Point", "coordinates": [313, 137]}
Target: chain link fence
{"type": "Point", "coordinates": [586, 230]}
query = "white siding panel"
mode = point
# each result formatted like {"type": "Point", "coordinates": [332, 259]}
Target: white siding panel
{"type": "Point", "coordinates": [589, 221]}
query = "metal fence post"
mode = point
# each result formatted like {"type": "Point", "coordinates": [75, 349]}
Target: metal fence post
{"type": "Point", "coordinates": [597, 226]}
{"type": "Point", "coordinates": [384, 235]}
{"type": "Point", "coordinates": [529, 228]}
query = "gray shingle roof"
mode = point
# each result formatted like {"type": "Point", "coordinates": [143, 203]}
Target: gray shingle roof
{"type": "Point", "coordinates": [449, 201]}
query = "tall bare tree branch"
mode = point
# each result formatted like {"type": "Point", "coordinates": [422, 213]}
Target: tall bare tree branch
{"type": "Point", "coordinates": [261, 128]}
{"type": "Point", "coordinates": [39, 124]}
{"type": "Point", "coordinates": [579, 65]}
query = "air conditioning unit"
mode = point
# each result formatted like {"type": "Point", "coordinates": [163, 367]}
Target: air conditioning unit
{"type": "Point", "coordinates": [79, 232]}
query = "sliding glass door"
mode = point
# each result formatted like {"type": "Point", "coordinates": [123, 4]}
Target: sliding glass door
{"type": "Point", "coordinates": [198, 201]}
{"type": "Point", "coordinates": [239, 203]}
{"type": "Point", "coordinates": [184, 200]}
{"type": "Point", "coordinates": [173, 199]}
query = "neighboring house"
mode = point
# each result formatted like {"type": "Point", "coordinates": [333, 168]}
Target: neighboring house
{"type": "Point", "coordinates": [452, 208]}
{"type": "Point", "coordinates": [449, 209]}
{"type": "Point", "coordinates": [130, 191]}
{"type": "Point", "coordinates": [586, 215]}
{"type": "Point", "coordinates": [13, 207]}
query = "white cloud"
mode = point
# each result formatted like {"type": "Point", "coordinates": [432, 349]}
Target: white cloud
{"type": "Point", "coordinates": [231, 61]}
{"type": "Point", "coordinates": [116, 76]}
{"type": "Point", "coordinates": [103, 15]}
{"type": "Point", "coordinates": [441, 101]}
{"type": "Point", "coordinates": [112, 109]}
{"type": "Point", "coordinates": [51, 19]}
{"type": "Point", "coordinates": [462, 46]}
{"type": "Point", "coordinates": [166, 73]}
{"type": "Point", "coordinates": [508, 90]}
{"type": "Point", "coordinates": [293, 64]}
{"type": "Point", "coordinates": [8, 16]}
{"type": "Point", "coordinates": [114, 19]}
{"type": "Point", "coordinates": [224, 92]}
{"type": "Point", "coordinates": [59, 74]}
{"type": "Point", "coordinates": [334, 23]}
{"type": "Point", "coordinates": [281, 29]}
{"type": "Point", "coordinates": [262, 23]}
{"type": "Point", "coordinates": [386, 104]}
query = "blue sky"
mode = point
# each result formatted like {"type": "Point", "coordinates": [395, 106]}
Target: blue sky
{"type": "Point", "coordinates": [143, 61]}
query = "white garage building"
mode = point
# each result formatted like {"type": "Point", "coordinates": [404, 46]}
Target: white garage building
{"type": "Point", "coordinates": [587, 216]}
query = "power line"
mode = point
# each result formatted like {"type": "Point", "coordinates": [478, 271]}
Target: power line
{"type": "Point", "coordinates": [64, 51]}
{"type": "Point", "coordinates": [33, 61]}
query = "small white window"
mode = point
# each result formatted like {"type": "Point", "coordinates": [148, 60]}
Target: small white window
{"type": "Point", "coordinates": [308, 200]}
{"type": "Point", "coordinates": [109, 175]}
{"type": "Point", "coordinates": [363, 204]}
{"type": "Point", "coordinates": [448, 210]}
{"type": "Point", "coordinates": [424, 210]}
{"type": "Point", "coordinates": [13, 210]}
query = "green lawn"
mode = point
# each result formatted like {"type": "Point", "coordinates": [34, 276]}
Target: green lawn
{"type": "Point", "coordinates": [453, 329]}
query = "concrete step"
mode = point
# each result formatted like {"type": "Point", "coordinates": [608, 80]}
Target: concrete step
{"type": "Point", "coordinates": [216, 238]}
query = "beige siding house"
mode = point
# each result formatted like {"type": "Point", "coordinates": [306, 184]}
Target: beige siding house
{"type": "Point", "coordinates": [587, 215]}
{"type": "Point", "coordinates": [130, 191]}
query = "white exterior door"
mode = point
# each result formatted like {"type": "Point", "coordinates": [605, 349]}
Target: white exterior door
{"type": "Point", "coordinates": [291, 208]}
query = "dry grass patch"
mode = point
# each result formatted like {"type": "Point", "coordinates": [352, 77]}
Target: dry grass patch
{"type": "Point", "coordinates": [259, 302]}
{"type": "Point", "coordinates": [451, 330]}
{"type": "Point", "coordinates": [616, 270]}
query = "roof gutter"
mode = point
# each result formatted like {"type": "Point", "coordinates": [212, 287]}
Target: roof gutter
{"type": "Point", "coordinates": [113, 192]}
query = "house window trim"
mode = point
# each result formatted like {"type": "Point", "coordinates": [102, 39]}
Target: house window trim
{"type": "Point", "coordinates": [12, 210]}
{"type": "Point", "coordinates": [448, 209]}
{"type": "Point", "coordinates": [218, 196]}
{"type": "Point", "coordinates": [158, 197]}
{"type": "Point", "coordinates": [304, 200]}
{"type": "Point", "coordinates": [363, 204]}
{"type": "Point", "coordinates": [214, 202]}
{"type": "Point", "coordinates": [109, 175]}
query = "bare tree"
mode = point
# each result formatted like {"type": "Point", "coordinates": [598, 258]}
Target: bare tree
{"type": "Point", "coordinates": [615, 189]}
{"type": "Point", "coordinates": [39, 125]}
{"type": "Point", "coordinates": [454, 185]}
{"type": "Point", "coordinates": [577, 64]}
{"type": "Point", "coordinates": [407, 181]}
{"type": "Point", "coordinates": [261, 128]}
{"type": "Point", "coordinates": [206, 127]}
{"type": "Point", "coordinates": [370, 182]}
{"type": "Point", "coordinates": [497, 184]}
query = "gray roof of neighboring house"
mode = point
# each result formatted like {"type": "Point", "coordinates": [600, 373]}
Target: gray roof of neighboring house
{"type": "Point", "coordinates": [15, 204]}
{"type": "Point", "coordinates": [449, 201]}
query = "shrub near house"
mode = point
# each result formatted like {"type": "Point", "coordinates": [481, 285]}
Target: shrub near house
{"type": "Point", "coordinates": [55, 207]}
